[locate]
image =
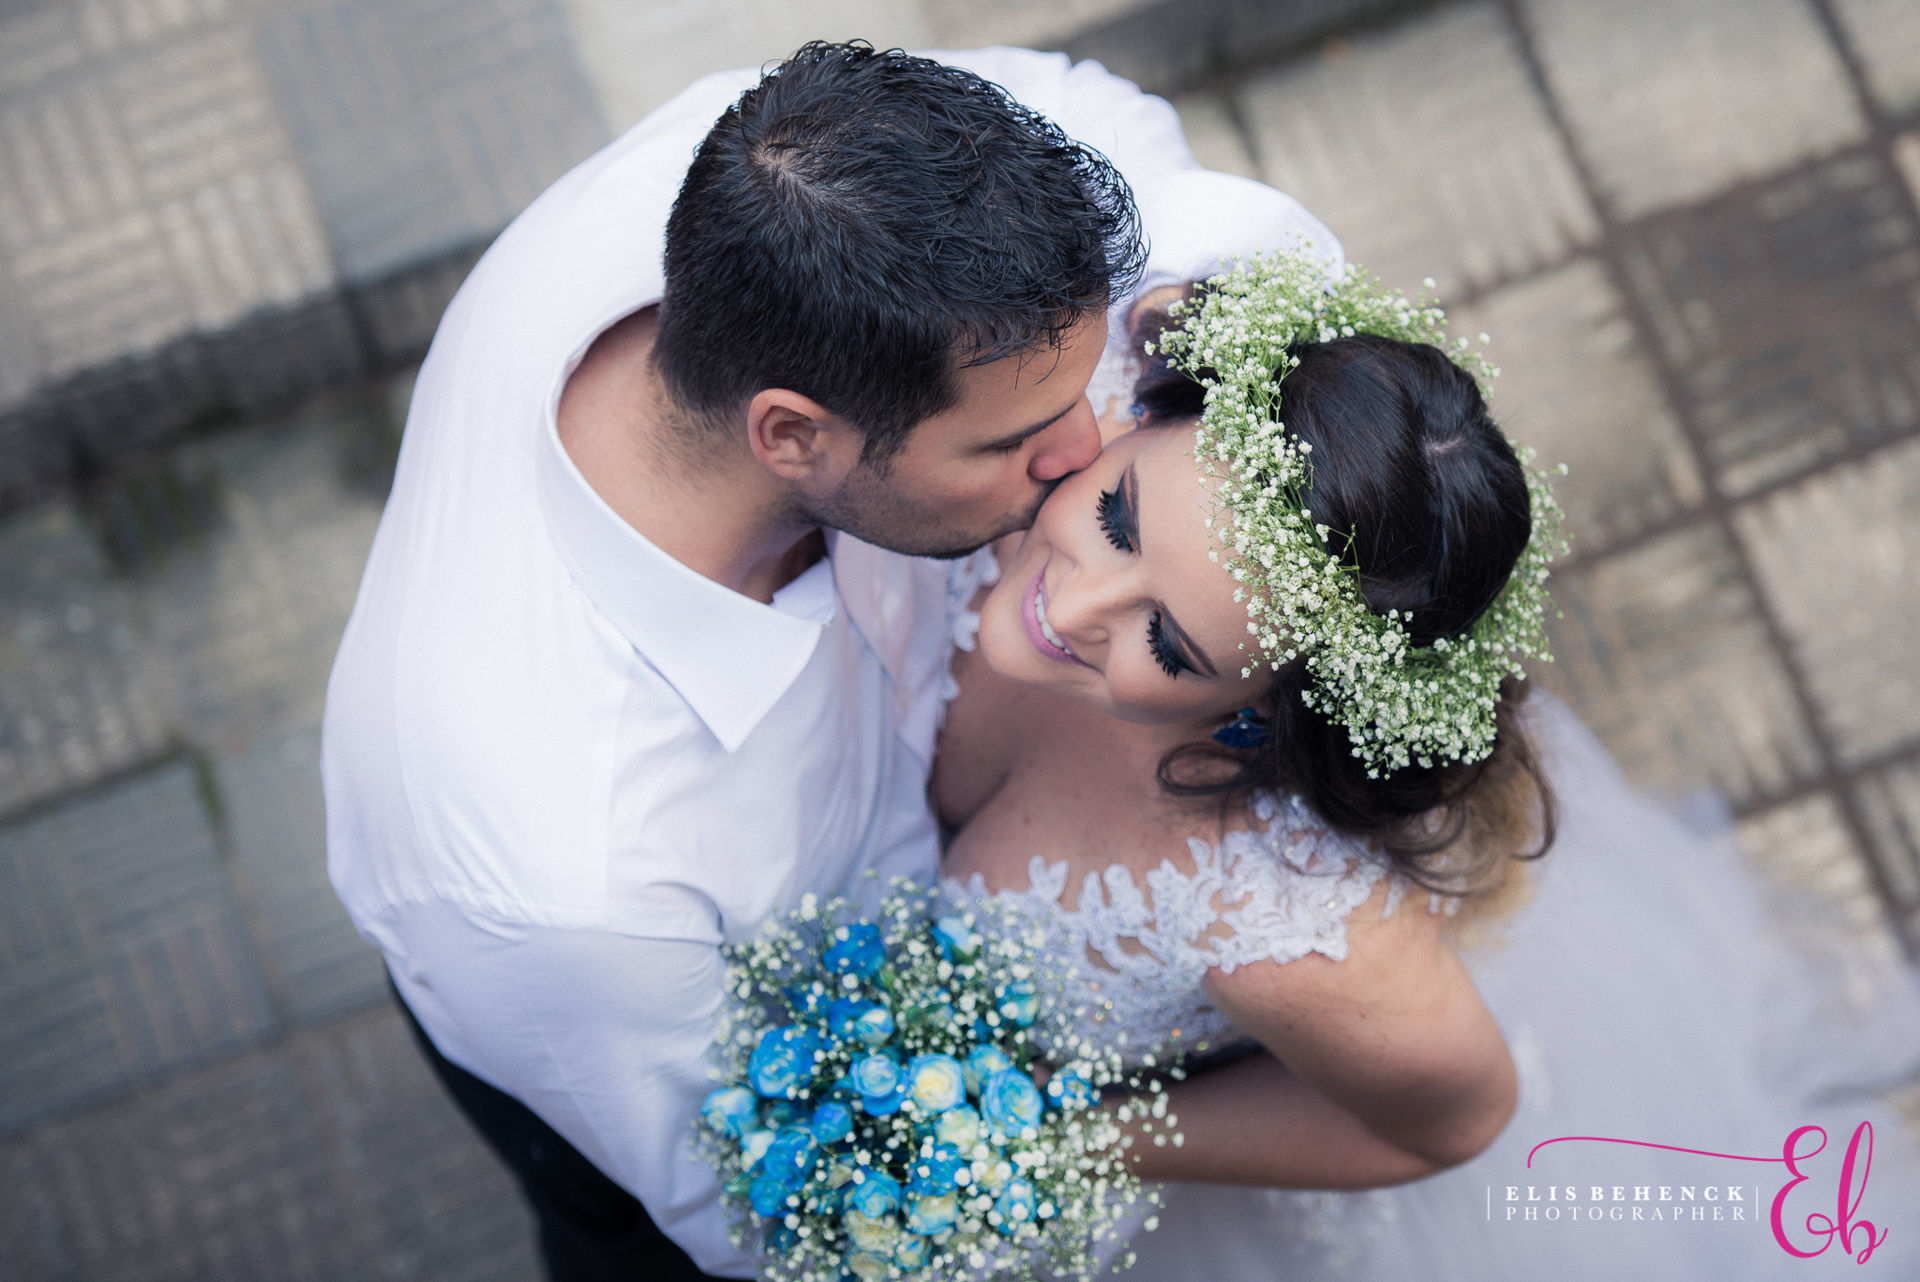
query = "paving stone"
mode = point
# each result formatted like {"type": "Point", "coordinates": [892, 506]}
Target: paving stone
{"type": "Point", "coordinates": [494, 104]}
{"type": "Point", "coordinates": [1890, 799]}
{"type": "Point", "coordinates": [1671, 100]}
{"type": "Point", "coordinates": [1790, 314]}
{"type": "Point", "coordinates": [639, 55]}
{"type": "Point", "coordinates": [1576, 385]}
{"type": "Point", "coordinates": [245, 627]}
{"type": "Point", "coordinates": [1805, 847]}
{"type": "Point", "coordinates": [969, 24]}
{"type": "Point", "coordinates": [1663, 653]}
{"type": "Point", "coordinates": [1885, 37]}
{"type": "Point", "coordinates": [1837, 556]}
{"type": "Point", "coordinates": [331, 1156]}
{"type": "Point", "coordinates": [1217, 140]}
{"type": "Point", "coordinates": [269, 796]}
{"type": "Point", "coordinates": [439, 1204]}
{"type": "Point", "coordinates": [153, 193]}
{"type": "Point", "coordinates": [79, 696]}
{"type": "Point", "coordinates": [1426, 150]}
{"type": "Point", "coordinates": [125, 960]}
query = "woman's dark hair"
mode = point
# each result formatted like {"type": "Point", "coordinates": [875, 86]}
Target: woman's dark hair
{"type": "Point", "coordinates": [1424, 494]}
{"type": "Point", "coordinates": [861, 225]}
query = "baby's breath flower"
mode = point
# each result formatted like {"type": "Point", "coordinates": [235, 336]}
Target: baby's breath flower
{"type": "Point", "coordinates": [1400, 703]}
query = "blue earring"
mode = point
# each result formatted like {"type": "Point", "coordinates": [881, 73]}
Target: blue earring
{"type": "Point", "coordinates": [1244, 731]}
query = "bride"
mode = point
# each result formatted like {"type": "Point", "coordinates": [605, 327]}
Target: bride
{"type": "Point", "coordinates": [1407, 927]}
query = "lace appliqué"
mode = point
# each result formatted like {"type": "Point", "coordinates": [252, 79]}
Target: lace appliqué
{"type": "Point", "coordinates": [965, 578]}
{"type": "Point", "coordinates": [1141, 952]}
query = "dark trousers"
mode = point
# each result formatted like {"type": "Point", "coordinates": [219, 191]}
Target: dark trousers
{"type": "Point", "coordinates": [591, 1229]}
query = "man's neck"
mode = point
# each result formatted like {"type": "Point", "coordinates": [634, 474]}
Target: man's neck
{"type": "Point", "coordinates": [712, 507]}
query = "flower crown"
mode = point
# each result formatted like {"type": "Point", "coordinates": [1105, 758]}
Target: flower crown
{"type": "Point", "coordinates": [1399, 702]}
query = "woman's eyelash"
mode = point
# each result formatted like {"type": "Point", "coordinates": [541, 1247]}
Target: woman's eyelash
{"type": "Point", "coordinates": [1163, 652]}
{"type": "Point", "coordinates": [1110, 520]}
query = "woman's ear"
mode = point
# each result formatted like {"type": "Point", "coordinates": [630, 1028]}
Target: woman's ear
{"type": "Point", "coordinates": [797, 438]}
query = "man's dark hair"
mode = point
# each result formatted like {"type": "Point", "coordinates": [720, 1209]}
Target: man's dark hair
{"type": "Point", "coordinates": [862, 224]}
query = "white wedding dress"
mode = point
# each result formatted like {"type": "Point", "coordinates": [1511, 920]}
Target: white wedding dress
{"type": "Point", "coordinates": [1651, 989]}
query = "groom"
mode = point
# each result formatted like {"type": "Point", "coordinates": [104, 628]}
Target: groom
{"type": "Point", "coordinates": [629, 672]}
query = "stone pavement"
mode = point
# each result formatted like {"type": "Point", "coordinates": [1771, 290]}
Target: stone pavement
{"type": "Point", "coordinates": [226, 226]}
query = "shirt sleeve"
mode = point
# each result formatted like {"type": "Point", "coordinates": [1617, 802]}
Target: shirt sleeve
{"type": "Point", "coordinates": [604, 1035]}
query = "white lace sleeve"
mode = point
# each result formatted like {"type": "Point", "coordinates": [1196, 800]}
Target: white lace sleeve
{"type": "Point", "coordinates": [1142, 947]}
{"type": "Point", "coordinates": [965, 578]}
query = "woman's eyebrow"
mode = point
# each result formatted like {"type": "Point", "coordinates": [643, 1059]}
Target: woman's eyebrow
{"type": "Point", "coordinates": [1195, 657]}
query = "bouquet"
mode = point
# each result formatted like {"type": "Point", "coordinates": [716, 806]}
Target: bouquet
{"type": "Point", "coordinates": [882, 1115]}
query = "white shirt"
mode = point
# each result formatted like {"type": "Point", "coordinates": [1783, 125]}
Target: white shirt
{"type": "Point", "coordinates": [561, 768]}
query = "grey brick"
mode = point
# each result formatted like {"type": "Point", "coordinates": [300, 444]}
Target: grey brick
{"type": "Point", "coordinates": [1671, 100]}
{"type": "Point", "coordinates": [1576, 385]}
{"type": "Point", "coordinates": [1835, 556]}
{"type": "Point", "coordinates": [270, 795]}
{"type": "Point", "coordinates": [1885, 36]}
{"type": "Point", "coordinates": [1426, 151]}
{"type": "Point", "coordinates": [334, 1155]}
{"type": "Point", "coordinates": [495, 109]}
{"type": "Point", "coordinates": [134, 965]}
{"type": "Point", "coordinates": [1805, 846]}
{"type": "Point", "coordinates": [1890, 799]}
{"type": "Point", "coordinates": [1790, 314]}
{"type": "Point", "coordinates": [245, 626]}
{"type": "Point", "coordinates": [80, 697]}
{"type": "Point", "coordinates": [1663, 652]}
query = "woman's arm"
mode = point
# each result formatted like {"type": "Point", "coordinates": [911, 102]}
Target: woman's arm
{"type": "Point", "coordinates": [1393, 1068]}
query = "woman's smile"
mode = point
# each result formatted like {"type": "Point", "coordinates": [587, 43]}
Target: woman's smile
{"type": "Point", "coordinates": [1039, 631]}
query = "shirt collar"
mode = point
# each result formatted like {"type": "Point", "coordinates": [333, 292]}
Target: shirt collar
{"type": "Point", "coordinates": [730, 657]}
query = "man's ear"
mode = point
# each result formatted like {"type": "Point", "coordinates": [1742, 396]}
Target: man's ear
{"type": "Point", "coordinates": [799, 439]}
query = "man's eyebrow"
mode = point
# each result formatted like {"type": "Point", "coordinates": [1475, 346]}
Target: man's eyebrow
{"type": "Point", "coordinates": [1192, 653]}
{"type": "Point", "coordinates": [1014, 438]}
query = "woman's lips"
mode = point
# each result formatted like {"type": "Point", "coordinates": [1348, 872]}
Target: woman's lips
{"type": "Point", "coordinates": [1033, 615]}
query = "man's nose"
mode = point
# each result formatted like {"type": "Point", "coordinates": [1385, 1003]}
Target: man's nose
{"type": "Point", "coordinates": [1066, 446]}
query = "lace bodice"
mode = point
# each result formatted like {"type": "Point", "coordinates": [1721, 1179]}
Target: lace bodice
{"type": "Point", "coordinates": [1140, 948]}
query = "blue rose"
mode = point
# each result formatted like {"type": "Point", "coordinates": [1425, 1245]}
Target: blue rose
{"type": "Point", "coordinates": [1070, 1091]}
{"type": "Point", "coordinates": [936, 1083]}
{"type": "Point", "coordinates": [983, 1062]}
{"type": "Point", "coordinates": [1010, 1101]}
{"type": "Point", "coordinates": [754, 1146]}
{"type": "Point", "coordinates": [932, 1213]}
{"type": "Point", "coordinates": [831, 1122]}
{"type": "Point", "coordinates": [842, 1013]}
{"type": "Point", "coordinates": [884, 1105]}
{"type": "Point", "coordinates": [730, 1110]}
{"type": "Point", "coordinates": [959, 1127]}
{"type": "Point", "coordinates": [957, 938]}
{"type": "Point", "coordinates": [856, 950]}
{"type": "Point", "coordinates": [992, 1174]}
{"type": "Point", "coordinates": [1016, 1205]}
{"type": "Point", "coordinates": [791, 1156]}
{"type": "Point", "coordinates": [1020, 1002]}
{"type": "Point", "coordinates": [874, 1027]}
{"type": "Point", "coordinates": [769, 1195]}
{"type": "Point", "coordinates": [783, 1061]}
{"type": "Point", "coordinates": [781, 1240]}
{"type": "Point", "coordinates": [872, 1233]}
{"type": "Point", "coordinates": [869, 1266]}
{"type": "Point", "coordinates": [912, 1251]}
{"type": "Point", "coordinates": [873, 1195]}
{"type": "Point", "coordinates": [935, 1172]}
{"type": "Point", "coordinates": [875, 1075]}
{"type": "Point", "coordinates": [806, 1000]}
